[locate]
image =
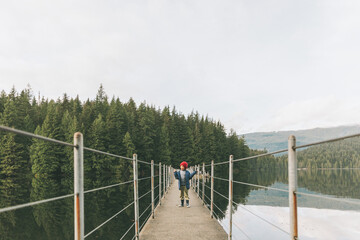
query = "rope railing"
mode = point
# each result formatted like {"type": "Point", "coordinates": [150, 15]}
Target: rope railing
{"type": "Point", "coordinates": [78, 184]}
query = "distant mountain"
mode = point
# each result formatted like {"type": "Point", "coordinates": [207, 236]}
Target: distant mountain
{"type": "Point", "coordinates": [273, 141]}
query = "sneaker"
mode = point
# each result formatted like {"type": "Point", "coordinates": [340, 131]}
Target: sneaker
{"type": "Point", "coordinates": [187, 205]}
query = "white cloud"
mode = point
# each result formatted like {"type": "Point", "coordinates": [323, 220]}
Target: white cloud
{"type": "Point", "coordinates": [235, 61]}
{"type": "Point", "coordinates": [324, 111]}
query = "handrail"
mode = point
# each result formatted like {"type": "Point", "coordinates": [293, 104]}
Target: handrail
{"type": "Point", "coordinates": [260, 186]}
{"type": "Point", "coordinates": [106, 153]}
{"type": "Point", "coordinates": [239, 205]}
{"type": "Point", "coordinates": [28, 134]}
{"type": "Point", "coordinates": [109, 186]}
{"type": "Point", "coordinates": [132, 225]}
{"type": "Point", "coordinates": [328, 198]}
{"type": "Point", "coordinates": [78, 187]}
{"type": "Point", "coordinates": [109, 219]}
{"type": "Point", "coordinates": [6, 209]}
{"type": "Point", "coordinates": [327, 141]}
{"type": "Point", "coordinates": [292, 166]}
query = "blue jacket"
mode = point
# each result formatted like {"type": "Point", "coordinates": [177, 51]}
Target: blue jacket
{"type": "Point", "coordinates": [188, 176]}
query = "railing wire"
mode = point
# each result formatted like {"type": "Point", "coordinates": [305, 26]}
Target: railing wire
{"type": "Point", "coordinates": [239, 205]}
{"type": "Point", "coordinates": [110, 186]}
{"type": "Point", "coordinates": [6, 209]}
{"type": "Point", "coordinates": [260, 186]}
{"type": "Point", "coordinates": [20, 132]}
{"type": "Point", "coordinates": [127, 231]}
{"type": "Point", "coordinates": [92, 231]}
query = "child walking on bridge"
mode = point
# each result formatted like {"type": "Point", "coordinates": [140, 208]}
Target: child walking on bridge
{"type": "Point", "coordinates": [183, 177]}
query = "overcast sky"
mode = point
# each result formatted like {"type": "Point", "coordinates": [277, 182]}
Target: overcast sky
{"type": "Point", "coordinates": [255, 65]}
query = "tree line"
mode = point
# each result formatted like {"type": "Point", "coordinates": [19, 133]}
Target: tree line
{"type": "Point", "coordinates": [32, 169]}
{"type": "Point", "coordinates": [339, 154]}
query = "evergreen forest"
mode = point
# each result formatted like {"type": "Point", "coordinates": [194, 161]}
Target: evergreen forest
{"type": "Point", "coordinates": [32, 169]}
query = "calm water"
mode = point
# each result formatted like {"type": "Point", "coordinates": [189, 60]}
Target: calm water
{"type": "Point", "coordinates": [55, 220]}
{"type": "Point", "coordinates": [318, 218]}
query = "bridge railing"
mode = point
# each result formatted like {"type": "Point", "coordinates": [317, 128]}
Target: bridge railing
{"type": "Point", "coordinates": [292, 182]}
{"type": "Point", "coordinates": [78, 147]}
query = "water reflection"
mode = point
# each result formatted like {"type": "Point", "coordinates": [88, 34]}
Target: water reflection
{"type": "Point", "coordinates": [339, 220]}
{"type": "Point", "coordinates": [54, 220]}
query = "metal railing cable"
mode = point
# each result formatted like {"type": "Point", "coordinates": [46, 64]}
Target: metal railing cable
{"type": "Point", "coordinates": [78, 160]}
{"type": "Point", "coordinates": [132, 225]}
{"type": "Point", "coordinates": [115, 155]}
{"type": "Point", "coordinates": [20, 132]}
{"type": "Point", "coordinates": [242, 231]}
{"type": "Point", "coordinates": [147, 218]}
{"type": "Point", "coordinates": [106, 153]}
{"type": "Point", "coordinates": [240, 205]}
{"type": "Point", "coordinates": [328, 198]}
{"type": "Point", "coordinates": [233, 221]}
{"type": "Point", "coordinates": [219, 163]}
{"type": "Point", "coordinates": [223, 179]}
{"type": "Point", "coordinates": [260, 186]}
{"type": "Point", "coordinates": [327, 141]}
{"type": "Point", "coordinates": [6, 209]}
{"type": "Point", "coordinates": [109, 186]}
{"type": "Point", "coordinates": [144, 162]}
{"type": "Point", "coordinates": [260, 155]}
{"type": "Point", "coordinates": [251, 157]}
{"type": "Point", "coordinates": [221, 194]}
{"type": "Point", "coordinates": [144, 178]}
{"type": "Point", "coordinates": [144, 194]}
{"type": "Point", "coordinates": [145, 210]}
{"type": "Point", "coordinates": [219, 209]}
{"type": "Point", "coordinates": [92, 231]}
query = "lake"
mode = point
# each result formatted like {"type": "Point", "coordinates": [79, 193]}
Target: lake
{"type": "Point", "coordinates": [265, 213]}
{"type": "Point", "coordinates": [318, 218]}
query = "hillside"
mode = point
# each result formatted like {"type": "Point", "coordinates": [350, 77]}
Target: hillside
{"type": "Point", "coordinates": [273, 141]}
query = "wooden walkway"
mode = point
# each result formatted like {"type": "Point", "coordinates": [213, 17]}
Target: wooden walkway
{"type": "Point", "coordinates": [176, 223]}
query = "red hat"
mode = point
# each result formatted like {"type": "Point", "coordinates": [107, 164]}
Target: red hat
{"type": "Point", "coordinates": [184, 164]}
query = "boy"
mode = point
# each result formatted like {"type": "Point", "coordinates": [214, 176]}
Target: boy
{"type": "Point", "coordinates": [184, 176]}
